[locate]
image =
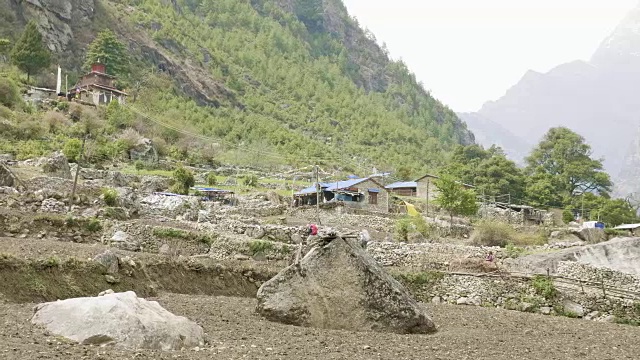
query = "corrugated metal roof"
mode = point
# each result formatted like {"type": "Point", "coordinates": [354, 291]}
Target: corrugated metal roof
{"type": "Point", "coordinates": [402, 184]}
{"type": "Point", "coordinates": [627, 227]}
{"type": "Point", "coordinates": [332, 186]}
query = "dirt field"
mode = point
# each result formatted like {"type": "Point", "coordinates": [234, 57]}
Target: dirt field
{"type": "Point", "coordinates": [235, 332]}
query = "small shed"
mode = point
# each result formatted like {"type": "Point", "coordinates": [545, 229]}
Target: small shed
{"type": "Point", "coordinates": [213, 194]}
{"type": "Point", "coordinates": [403, 188]}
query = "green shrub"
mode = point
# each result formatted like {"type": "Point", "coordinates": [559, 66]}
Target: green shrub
{"type": "Point", "coordinates": [72, 149]}
{"type": "Point", "coordinates": [567, 216]}
{"type": "Point", "coordinates": [115, 213]}
{"type": "Point", "coordinates": [403, 228]}
{"type": "Point", "coordinates": [492, 233]}
{"type": "Point", "coordinates": [9, 93]}
{"type": "Point", "coordinates": [110, 196]}
{"type": "Point", "coordinates": [260, 246]}
{"type": "Point", "coordinates": [139, 165]}
{"type": "Point", "coordinates": [184, 180]}
{"type": "Point", "coordinates": [422, 278]}
{"type": "Point", "coordinates": [250, 181]}
{"type": "Point", "coordinates": [62, 106]}
{"type": "Point", "coordinates": [212, 179]}
{"type": "Point", "coordinates": [93, 225]}
{"type": "Point", "coordinates": [614, 233]}
{"type": "Point", "coordinates": [170, 233]}
{"type": "Point", "coordinates": [513, 251]}
{"type": "Point", "coordinates": [544, 287]}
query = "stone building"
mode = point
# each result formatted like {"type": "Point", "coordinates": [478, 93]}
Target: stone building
{"type": "Point", "coordinates": [362, 193]}
{"type": "Point", "coordinates": [422, 188]}
{"type": "Point", "coordinates": [98, 87]}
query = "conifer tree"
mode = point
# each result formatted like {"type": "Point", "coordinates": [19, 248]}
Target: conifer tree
{"type": "Point", "coordinates": [108, 50]}
{"type": "Point", "coordinates": [29, 53]}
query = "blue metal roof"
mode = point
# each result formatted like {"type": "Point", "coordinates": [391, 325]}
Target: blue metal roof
{"type": "Point", "coordinates": [332, 186]}
{"type": "Point", "coordinates": [207, 189]}
{"type": "Point", "coordinates": [402, 184]}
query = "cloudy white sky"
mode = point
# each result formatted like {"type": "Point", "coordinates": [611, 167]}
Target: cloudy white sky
{"type": "Point", "coordinates": [470, 51]}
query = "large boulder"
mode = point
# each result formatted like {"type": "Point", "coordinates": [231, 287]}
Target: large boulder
{"type": "Point", "coordinates": [121, 319]}
{"type": "Point", "coordinates": [339, 286]}
{"type": "Point", "coordinates": [6, 176]}
{"type": "Point", "coordinates": [57, 166]}
{"type": "Point", "coordinates": [591, 235]}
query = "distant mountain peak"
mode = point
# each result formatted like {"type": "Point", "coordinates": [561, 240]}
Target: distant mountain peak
{"type": "Point", "coordinates": [623, 45]}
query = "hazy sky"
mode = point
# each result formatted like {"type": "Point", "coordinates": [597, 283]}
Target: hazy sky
{"type": "Point", "coordinates": [470, 51]}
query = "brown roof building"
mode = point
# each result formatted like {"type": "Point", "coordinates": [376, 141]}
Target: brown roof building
{"type": "Point", "coordinates": [98, 87]}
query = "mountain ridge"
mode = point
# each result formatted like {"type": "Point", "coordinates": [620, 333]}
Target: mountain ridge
{"type": "Point", "coordinates": [297, 78]}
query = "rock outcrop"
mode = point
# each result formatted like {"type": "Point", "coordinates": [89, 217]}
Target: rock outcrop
{"type": "Point", "coordinates": [57, 166]}
{"type": "Point", "coordinates": [121, 319]}
{"type": "Point", "coordinates": [619, 254]}
{"type": "Point", "coordinates": [339, 286]}
{"type": "Point", "coordinates": [6, 177]}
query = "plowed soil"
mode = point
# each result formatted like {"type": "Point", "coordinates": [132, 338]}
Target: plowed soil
{"type": "Point", "coordinates": [234, 331]}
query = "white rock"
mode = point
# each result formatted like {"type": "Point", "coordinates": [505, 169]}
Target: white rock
{"type": "Point", "coordinates": [120, 236]}
{"type": "Point", "coordinates": [462, 301]}
{"type": "Point", "coordinates": [122, 319]}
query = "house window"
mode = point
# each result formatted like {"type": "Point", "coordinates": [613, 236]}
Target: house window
{"type": "Point", "coordinates": [373, 198]}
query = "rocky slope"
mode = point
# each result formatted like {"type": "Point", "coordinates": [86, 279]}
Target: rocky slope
{"type": "Point", "coordinates": [596, 99]}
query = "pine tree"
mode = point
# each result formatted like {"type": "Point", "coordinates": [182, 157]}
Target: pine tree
{"type": "Point", "coordinates": [108, 50]}
{"type": "Point", "coordinates": [29, 53]}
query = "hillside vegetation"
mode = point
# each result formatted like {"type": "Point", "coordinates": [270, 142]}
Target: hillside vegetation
{"type": "Point", "coordinates": [265, 82]}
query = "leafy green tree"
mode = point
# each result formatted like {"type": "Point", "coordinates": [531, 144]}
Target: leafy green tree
{"type": "Point", "coordinates": [403, 173]}
{"type": "Point", "coordinates": [563, 159]}
{"type": "Point", "coordinates": [183, 181]}
{"type": "Point", "coordinates": [108, 50]}
{"type": "Point", "coordinates": [29, 53]}
{"type": "Point", "coordinates": [489, 171]}
{"type": "Point", "coordinates": [454, 198]}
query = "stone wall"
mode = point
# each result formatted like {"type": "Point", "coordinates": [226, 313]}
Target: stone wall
{"type": "Point", "coordinates": [519, 293]}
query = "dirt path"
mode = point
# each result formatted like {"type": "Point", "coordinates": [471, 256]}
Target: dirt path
{"type": "Point", "coordinates": [235, 332]}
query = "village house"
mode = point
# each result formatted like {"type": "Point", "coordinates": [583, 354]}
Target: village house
{"type": "Point", "coordinates": [98, 87]}
{"type": "Point", "coordinates": [362, 193]}
{"type": "Point", "coordinates": [422, 188]}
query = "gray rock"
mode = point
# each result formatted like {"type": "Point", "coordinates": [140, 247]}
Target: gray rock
{"type": "Point", "coordinates": [106, 292]}
{"type": "Point", "coordinates": [573, 307]}
{"type": "Point", "coordinates": [57, 166]}
{"type": "Point", "coordinates": [164, 249]}
{"type": "Point", "coordinates": [151, 184]}
{"type": "Point", "coordinates": [109, 260]}
{"type": "Point", "coordinates": [462, 301]}
{"type": "Point", "coordinates": [121, 319]}
{"type": "Point", "coordinates": [6, 177]}
{"type": "Point", "coordinates": [437, 300]}
{"type": "Point", "coordinates": [526, 307]}
{"type": "Point", "coordinates": [592, 235]}
{"type": "Point", "coordinates": [546, 310]}
{"type": "Point", "coordinates": [122, 241]}
{"type": "Point", "coordinates": [339, 286]}
{"type": "Point", "coordinates": [120, 236]}
{"type": "Point", "coordinates": [111, 279]}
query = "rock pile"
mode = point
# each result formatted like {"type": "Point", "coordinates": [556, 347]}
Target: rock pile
{"type": "Point", "coordinates": [339, 286]}
{"type": "Point", "coordinates": [121, 319]}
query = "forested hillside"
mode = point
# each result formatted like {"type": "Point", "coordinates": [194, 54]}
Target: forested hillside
{"type": "Point", "coordinates": [295, 82]}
